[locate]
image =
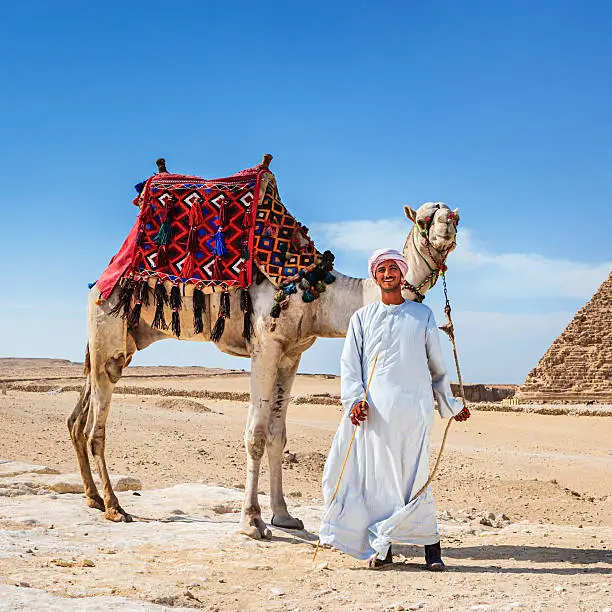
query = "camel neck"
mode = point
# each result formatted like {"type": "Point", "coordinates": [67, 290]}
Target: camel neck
{"type": "Point", "coordinates": [333, 310]}
{"type": "Point", "coordinates": [423, 264]}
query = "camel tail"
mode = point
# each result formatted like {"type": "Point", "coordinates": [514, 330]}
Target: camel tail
{"type": "Point", "coordinates": [87, 364]}
{"type": "Point", "coordinates": [82, 406]}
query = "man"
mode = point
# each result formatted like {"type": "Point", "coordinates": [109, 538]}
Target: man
{"type": "Point", "coordinates": [389, 460]}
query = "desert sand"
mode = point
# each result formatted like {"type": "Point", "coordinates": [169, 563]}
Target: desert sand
{"type": "Point", "coordinates": [524, 502]}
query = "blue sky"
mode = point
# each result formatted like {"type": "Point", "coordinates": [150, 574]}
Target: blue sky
{"type": "Point", "coordinates": [500, 109]}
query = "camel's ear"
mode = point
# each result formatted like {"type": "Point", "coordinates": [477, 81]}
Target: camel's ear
{"type": "Point", "coordinates": [410, 213]}
{"type": "Point", "coordinates": [456, 213]}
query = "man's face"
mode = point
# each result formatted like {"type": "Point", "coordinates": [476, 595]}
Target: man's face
{"type": "Point", "coordinates": [388, 276]}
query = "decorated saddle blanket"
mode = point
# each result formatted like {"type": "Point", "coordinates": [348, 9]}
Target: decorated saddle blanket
{"type": "Point", "coordinates": [210, 233]}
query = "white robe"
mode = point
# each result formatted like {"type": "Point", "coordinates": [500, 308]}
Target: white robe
{"type": "Point", "coordinates": [389, 461]}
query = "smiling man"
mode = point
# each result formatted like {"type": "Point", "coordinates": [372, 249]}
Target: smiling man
{"type": "Point", "coordinates": [389, 461]}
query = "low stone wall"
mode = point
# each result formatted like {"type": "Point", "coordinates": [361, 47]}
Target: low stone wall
{"type": "Point", "coordinates": [484, 393]}
{"type": "Point", "coordinates": [565, 397]}
{"type": "Point", "coordinates": [473, 393]}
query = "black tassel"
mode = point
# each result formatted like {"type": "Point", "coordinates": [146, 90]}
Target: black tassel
{"type": "Point", "coordinates": [218, 329]}
{"type": "Point", "coordinates": [327, 261]}
{"type": "Point", "coordinates": [161, 299]}
{"type": "Point", "coordinates": [125, 298]}
{"type": "Point", "coordinates": [176, 322]}
{"type": "Point", "coordinates": [199, 307]}
{"type": "Point", "coordinates": [245, 301]}
{"type": "Point", "coordinates": [175, 298]}
{"type": "Point", "coordinates": [247, 329]}
{"type": "Point", "coordinates": [224, 307]}
{"type": "Point", "coordinates": [134, 316]}
{"type": "Point", "coordinates": [246, 307]}
{"type": "Point", "coordinates": [144, 292]}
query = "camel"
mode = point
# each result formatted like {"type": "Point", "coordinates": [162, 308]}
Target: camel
{"type": "Point", "coordinates": [275, 352]}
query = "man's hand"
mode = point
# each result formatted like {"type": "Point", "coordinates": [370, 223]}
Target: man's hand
{"type": "Point", "coordinates": [464, 415]}
{"type": "Point", "coordinates": [359, 413]}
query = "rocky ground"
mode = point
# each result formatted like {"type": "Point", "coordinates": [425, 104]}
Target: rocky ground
{"type": "Point", "coordinates": [524, 502]}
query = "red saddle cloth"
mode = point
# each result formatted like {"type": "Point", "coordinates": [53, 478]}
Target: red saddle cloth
{"type": "Point", "coordinates": [209, 232]}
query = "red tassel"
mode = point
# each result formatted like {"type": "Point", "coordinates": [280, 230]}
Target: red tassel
{"type": "Point", "coordinates": [138, 261]}
{"type": "Point", "coordinates": [167, 209]}
{"type": "Point", "coordinates": [162, 257]}
{"type": "Point", "coordinates": [216, 272]}
{"type": "Point", "coordinates": [192, 240]}
{"type": "Point", "coordinates": [247, 220]}
{"type": "Point", "coordinates": [243, 275]}
{"type": "Point", "coordinates": [223, 210]}
{"type": "Point", "coordinates": [146, 214]}
{"type": "Point", "coordinates": [195, 214]}
{"type": "Point", "coordinates": [188, 266]}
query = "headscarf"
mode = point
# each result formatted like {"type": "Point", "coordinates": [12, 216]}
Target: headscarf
{"type": "Point", "coordinates": [381, 255]}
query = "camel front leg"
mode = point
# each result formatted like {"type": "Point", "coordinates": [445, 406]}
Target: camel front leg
{"type": "Point", "coordinates": [277, 439]}
{"type": "Point", "coordinates": [264, 360]}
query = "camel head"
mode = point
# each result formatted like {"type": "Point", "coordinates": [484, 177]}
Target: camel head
{"type": "Point", "coordinates": [436, 222]}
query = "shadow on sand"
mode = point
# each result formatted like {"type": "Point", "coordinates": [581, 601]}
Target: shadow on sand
{"type": "Point", "coordinates": [569, 557]}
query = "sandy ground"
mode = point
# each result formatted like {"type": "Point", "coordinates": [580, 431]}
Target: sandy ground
{"type": "Point", "coordinates": [551, 476]}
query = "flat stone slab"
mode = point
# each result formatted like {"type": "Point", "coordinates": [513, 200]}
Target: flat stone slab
{"type": "Point", "coordinates": [183, 551]}
{"type": "Point", "coordinates": [14, 468]}
{"type": "Point", "coordinates": [20, 598]}
{"type": "Point", "coordinates": [188, 512]}
{"type": "Point", "coordinates": [35, 483]}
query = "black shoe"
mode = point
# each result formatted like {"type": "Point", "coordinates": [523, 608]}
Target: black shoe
{"type": "Point", "coordinates": [374, 562]}
{"type": "Point", "coordinates": [433, 558]}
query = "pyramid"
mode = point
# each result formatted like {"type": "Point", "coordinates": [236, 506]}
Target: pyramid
{"type": "Point", "coordinates": [578, 365]}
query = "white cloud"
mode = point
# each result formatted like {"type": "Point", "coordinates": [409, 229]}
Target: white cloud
{"type": "Point", "coordinates": [361, 237]}
{"type": "Point", "coordinates": [488, 274]}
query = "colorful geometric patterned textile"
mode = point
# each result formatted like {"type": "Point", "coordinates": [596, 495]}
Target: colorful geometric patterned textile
{"type": "Point", "coordinates": [208, 233]}
{"type": "Point", "coordinates": [282, 246]}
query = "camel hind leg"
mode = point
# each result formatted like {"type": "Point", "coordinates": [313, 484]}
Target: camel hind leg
{"type": "Point", "coordinates": [76, 426]}
{"type": "Point", "coordinates": [102, 386]}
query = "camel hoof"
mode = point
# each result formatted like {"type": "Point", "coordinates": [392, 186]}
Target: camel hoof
{"type": "Point", "coordinates": [256, 529]}
{"type": "Point", "coordinates": [287, 522]}
{"type": "Point", "coordinates": [117, 515]}
{"type": "Point", "coordinates": [96, 503]}
{"type": "Point", "coordinates": [251, 532]}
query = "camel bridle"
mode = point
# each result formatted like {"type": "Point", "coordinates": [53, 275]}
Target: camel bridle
{"type": "Point", "coordinates": [438, 267]}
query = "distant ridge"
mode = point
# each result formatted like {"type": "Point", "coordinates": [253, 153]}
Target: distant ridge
{"type": "Point", "coordinates": [36, 361]}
